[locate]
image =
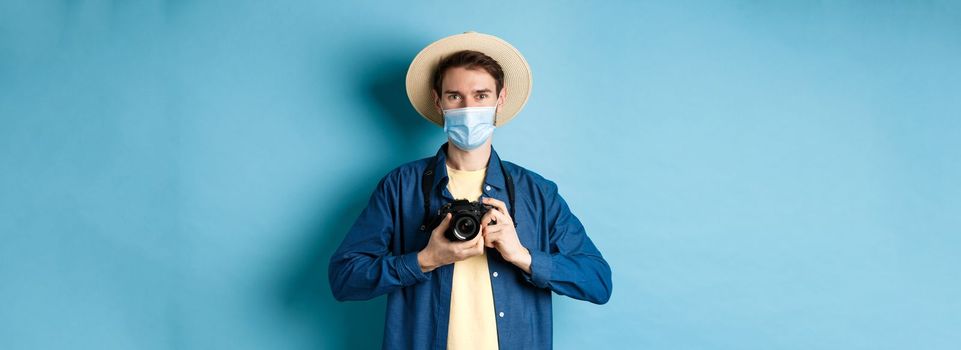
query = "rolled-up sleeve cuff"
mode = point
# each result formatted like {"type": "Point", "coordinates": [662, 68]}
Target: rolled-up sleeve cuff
{"type": "Point", "coordinates": [540, 269]}
{"type": "Point", "coordinates": [410, 272]}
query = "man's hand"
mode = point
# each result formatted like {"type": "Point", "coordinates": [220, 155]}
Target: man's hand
{"type": "Point", "coordinates": [503, 236]}
{"type": "Point", "coordinates": [441, 251]}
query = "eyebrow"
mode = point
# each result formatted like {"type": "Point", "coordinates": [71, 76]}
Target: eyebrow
{"type": "Point", "coordinates": [475, 91]}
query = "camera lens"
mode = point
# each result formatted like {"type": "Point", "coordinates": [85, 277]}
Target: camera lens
{"type": "Point", "coordinates": [465, 228]}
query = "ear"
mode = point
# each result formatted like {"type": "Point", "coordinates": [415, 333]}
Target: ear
{"type": "Point", "coordinates": [502, 97]}
{"type": "Point", "coordinates": [437, 102]}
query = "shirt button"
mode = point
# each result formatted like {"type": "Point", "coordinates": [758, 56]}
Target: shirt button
{"type": "Point", "coordinates": [501, 314]}
{"type": "Point", "coordinates": [488, 188]}
{"type": "Point", "coordinates": [495, 273]}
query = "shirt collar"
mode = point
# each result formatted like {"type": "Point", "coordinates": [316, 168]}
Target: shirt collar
{"type": "Point", "coordinates": [493, 177]}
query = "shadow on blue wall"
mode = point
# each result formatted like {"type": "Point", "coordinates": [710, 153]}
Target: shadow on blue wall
{"type": "Point", "coordinates": [306, 293]}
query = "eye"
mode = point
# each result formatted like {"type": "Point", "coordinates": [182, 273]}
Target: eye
{"type": "Point", "coordinates": [482, 96]}
{"type": "Point", "coordinates": [452, 97]}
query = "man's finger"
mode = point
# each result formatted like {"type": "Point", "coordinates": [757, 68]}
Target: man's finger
{"type": "Point", "coordinates": [443, 224]}
{"type": "Point", "coordinates": [500, 217]}
{"type": "Point", "coordinates": [446, 220]}
{"type": "Point", "coordinates": [488, 239]}
{"type": "Point", "coordinates": [478, 246]}
{"type": "Point", "coordinates": [501, 214]}
{"type": "Point", "coordinates": [492, 238]}
{"type": "Point", "coordinates": [498, 204]}
{"type": "Point", "coordinates": [487, 218]}
{"type": "Point", "coordinates": [466, 246]}
{"type": "Point", "coordinates": [478, 237]}
{"type": "Point", "coordinates": [495, 228]}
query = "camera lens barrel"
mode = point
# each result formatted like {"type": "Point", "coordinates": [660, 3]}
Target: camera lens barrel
{"type": "Point", "coordinates": [465, 228]}
{"type": "Point", "coordinates": [465, 219]}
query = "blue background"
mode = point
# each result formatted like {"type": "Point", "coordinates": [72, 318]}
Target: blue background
{"type": "Point", "coordinates": [175, 174]}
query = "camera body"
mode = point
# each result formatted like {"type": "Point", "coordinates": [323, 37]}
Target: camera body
{"type": "Point", "coordinates": [465, 221]}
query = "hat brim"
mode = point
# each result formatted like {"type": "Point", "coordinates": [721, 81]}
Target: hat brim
{"type": "Point", "coordinates": [517, 73]}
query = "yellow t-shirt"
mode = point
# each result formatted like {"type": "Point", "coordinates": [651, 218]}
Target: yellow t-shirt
{"type": "Point", "coordinates": [472, 323]}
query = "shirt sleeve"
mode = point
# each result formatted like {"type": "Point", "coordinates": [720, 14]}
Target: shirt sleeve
{"type": "Point", "coordinates": [362, 267]}
{"type": "Point", "coordinates": [573, 266]}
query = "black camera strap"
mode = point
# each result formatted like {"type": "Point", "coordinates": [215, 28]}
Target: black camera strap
{"type": "Point", "coordinates": [428, 180]}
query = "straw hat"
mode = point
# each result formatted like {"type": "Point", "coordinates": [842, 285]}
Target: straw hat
{"type": "Point", "coordinates": [517, 74]}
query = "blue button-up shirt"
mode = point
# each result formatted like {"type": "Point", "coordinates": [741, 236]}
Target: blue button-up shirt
{"type": "Point", "coordinates": [379, 256]}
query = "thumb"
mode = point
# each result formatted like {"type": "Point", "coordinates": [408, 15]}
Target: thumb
{"type": "Point", "coordinates": [444, 224]}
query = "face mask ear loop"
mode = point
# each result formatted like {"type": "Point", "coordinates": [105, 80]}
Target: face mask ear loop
{"type": "Point", "coordinates": [497, 116]}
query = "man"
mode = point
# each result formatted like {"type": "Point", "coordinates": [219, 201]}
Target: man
{"type": "Point", "coordinates": [493, 290]}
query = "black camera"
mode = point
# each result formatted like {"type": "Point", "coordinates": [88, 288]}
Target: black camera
{"type": "Point", "coordinates": [465, 220]}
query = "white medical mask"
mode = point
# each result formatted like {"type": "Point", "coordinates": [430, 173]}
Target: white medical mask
{"type": "Point", "coordinates": [469, 127]}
